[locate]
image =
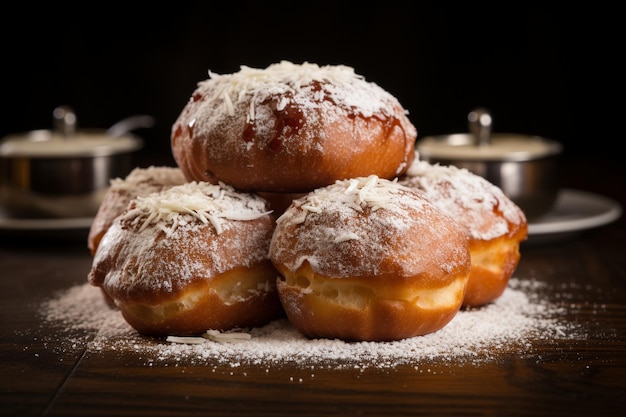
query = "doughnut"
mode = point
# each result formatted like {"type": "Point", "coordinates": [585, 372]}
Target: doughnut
{"type": "Point", "coordinates": [139, 182]}
{"type": "Point", "coordinates": [368, 259]}
{"type": "Point", "coordinates": [495, 225]}
{"type": "Point", "coordinates": [291, 128]}
{"type": "Point", "coordinates": [190, 258]}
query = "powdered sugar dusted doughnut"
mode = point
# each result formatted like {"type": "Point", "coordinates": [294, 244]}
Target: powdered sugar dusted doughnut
{"type": "Point", "coordinates": [138, 183]}
{"type": "Point", "coordinates": [369, 259]}
{"type": "Point", "coordinates": [188, 259]}
{"type": "Point", "coordinates": [291, 128]}
{"type": "Point", "coordinates": [495, 225]}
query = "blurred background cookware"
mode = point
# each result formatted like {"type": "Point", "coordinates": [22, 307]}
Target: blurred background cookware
{"type": "Point", "coordinates": [525, 167]}
{"type": "Point", "coordinates": [64, 172]}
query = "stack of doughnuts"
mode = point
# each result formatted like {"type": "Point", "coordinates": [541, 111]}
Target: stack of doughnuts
{"type": "Point", "coordinates": [296, 201]}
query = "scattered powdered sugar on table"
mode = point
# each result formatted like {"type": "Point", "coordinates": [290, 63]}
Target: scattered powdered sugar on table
{"type": "Point", "coordinates": [512, 323]}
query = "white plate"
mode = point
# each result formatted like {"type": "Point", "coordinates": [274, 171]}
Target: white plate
{"type": "Point", "coordinates": [45, 224]}
{"type": "Point", "coordinates": [63, 227]}
{"type": "Point", "coordinates": [574, 212]}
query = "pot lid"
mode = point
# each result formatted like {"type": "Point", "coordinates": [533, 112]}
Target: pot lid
{"type": "Point", "coordinates": [65, 141]}
{"type": "Point", "coordinates": [482, 145]}
{"type": "Point", "coordinates": [503, 146]}
{"type": "Point", "coordinates": [48, 144]}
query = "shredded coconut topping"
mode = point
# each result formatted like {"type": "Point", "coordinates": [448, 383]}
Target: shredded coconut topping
{"type": "Point", "coordinates": [229, 336]}
{"type": "Point", "coordinates": [355, 193]}
{"type": "Point", "coordinates": [340, 82]}
{"type": "Point", "coordinates": [206, 202]}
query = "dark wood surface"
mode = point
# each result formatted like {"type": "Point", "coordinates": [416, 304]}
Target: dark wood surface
{"type": "Point", "coordinates": [560, 377]}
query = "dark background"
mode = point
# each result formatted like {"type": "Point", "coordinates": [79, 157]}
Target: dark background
{"type": "Point", "coordinates": [541, 70]}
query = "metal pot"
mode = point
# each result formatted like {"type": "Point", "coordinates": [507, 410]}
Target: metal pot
{"type": "Point", "coordinates": [65, 172]}
{"type": "Point", "coordinates": [525, 167]}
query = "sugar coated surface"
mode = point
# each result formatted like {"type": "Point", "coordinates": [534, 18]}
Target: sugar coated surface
{"type": "Point", "coordinates": [478, 204]}
{"type": "Point", "coordinates": [366, 220]}
{"type": "Point", "coordinates": [519, 317]}
{"type": "Point", "coordinates": [343, 86]}
{"type": "Point", "coordinates": [133, 253]}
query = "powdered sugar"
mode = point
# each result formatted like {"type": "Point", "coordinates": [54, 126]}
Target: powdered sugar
{"type": "Point", "coordinates": [512, 323]}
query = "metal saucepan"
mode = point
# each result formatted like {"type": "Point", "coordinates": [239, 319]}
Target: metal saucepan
{"type": "Point", "coordinates": [64, 172]}
{"type": "Point", "coordinates": [525, 167]}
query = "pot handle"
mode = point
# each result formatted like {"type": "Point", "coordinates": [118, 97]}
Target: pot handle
{"type": "Point", "coordinates": [480, 126]}
{"type": "Point", "coordinates": [64, 121]}
{"type": "Point", "coordinates": [130, 123]}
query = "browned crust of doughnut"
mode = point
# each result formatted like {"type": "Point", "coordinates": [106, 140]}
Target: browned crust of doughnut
{"type": "Point", "coordinates": [358, 310]}
{"type": "Point", "coordinates": [108, 299]}
{"type": "Point", "coordinates": [493, 262]}
{"type": "Point", "coordinates": [113, 204]}
{"type": "Point", "coordinates": [350, 147]}
{"type": "Point", "coordinates": [206, 308]}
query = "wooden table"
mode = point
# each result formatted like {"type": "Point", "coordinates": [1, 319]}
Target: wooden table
{"type": "Point", "coordinates": [563, 377]}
